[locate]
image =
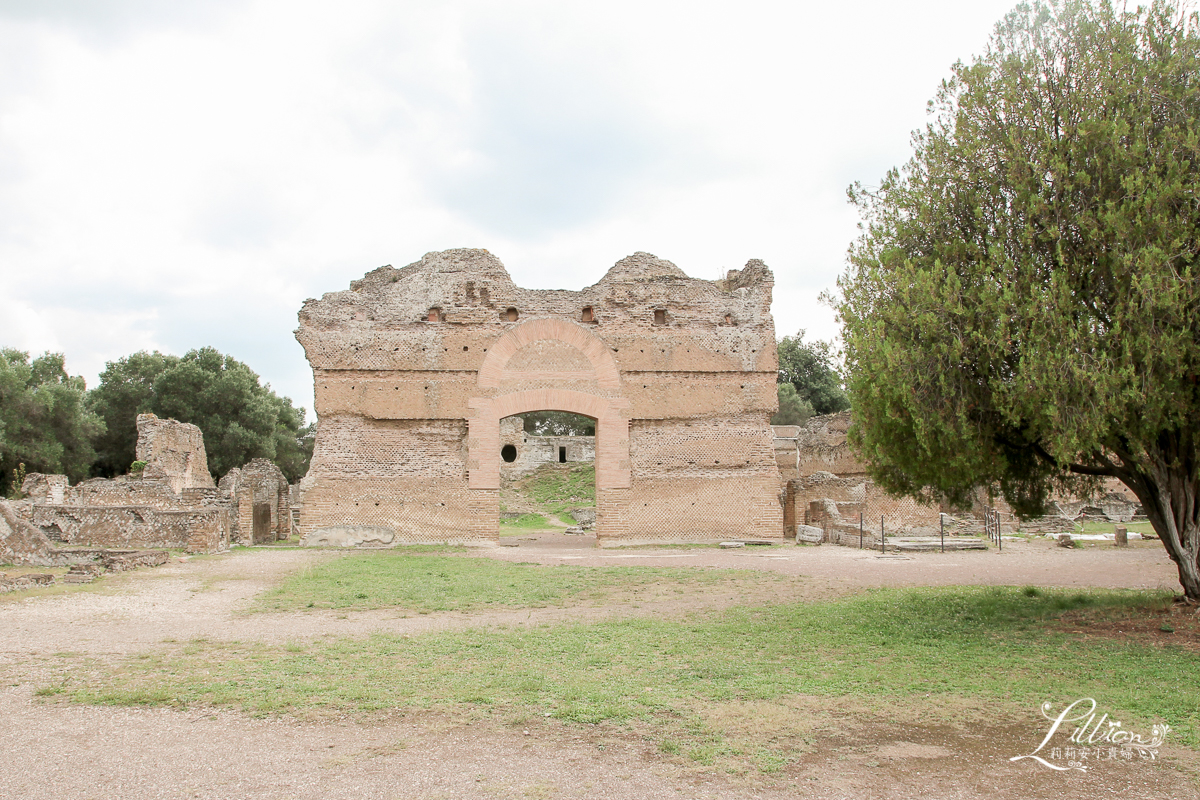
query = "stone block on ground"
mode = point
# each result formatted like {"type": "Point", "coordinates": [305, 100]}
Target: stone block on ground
{"type": "Point", "coordinates": [586, 517]}
{"type": "Point", "coordinates": [809, 533]}
{"type": "Point", "coordinates": [349, 536]}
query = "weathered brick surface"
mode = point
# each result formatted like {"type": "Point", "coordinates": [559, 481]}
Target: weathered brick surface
{"type": "Point", "coordinates": [196, 530]}
{"type": "Point", "coordinates": [415, 368]}
{"type": "Point", "coordinates": [21, 542]}
{"type": "Point", "coordinates": [174, 452]}
{"type": "Point", "coordinates": [259, 499]}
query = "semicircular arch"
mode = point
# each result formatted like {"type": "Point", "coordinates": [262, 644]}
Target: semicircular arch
{"type": "Point", "coordinates": [491, 371]}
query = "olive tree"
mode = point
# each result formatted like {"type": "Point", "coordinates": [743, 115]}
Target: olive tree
{"type": "Point", "coordinates": [1022, 306]}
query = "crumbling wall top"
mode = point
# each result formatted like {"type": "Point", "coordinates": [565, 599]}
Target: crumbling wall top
{"type": "Point", "coordinates": [174, 452]}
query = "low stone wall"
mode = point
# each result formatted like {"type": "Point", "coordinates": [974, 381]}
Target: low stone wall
{"type": "Point", "coordinates": [15, 583]}
{"type": "Point", "coordinates": [21, 542]}
{"type": "Point", "coordinates": [201, 530]}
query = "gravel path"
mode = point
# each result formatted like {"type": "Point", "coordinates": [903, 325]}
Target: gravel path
{"type": "Point", "coordinates": [50, 750]}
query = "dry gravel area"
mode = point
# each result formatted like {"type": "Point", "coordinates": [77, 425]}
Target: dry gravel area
{"type": "Point", "coordinates": [59, 750]}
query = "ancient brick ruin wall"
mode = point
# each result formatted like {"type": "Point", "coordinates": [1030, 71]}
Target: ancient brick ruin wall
{"type": "Point", "coordinates": [415, 368]}
{"type": "Point", "coordinates": [197, 530]}
{"type": "Point", "coordinates": [822, 447]}
{"type": "Point", "coordinates": [531, 452]}
{"type": "Point", "coordinates": [174, 452]}
{"type": "Point", "coordinates": [260, 503]}
{"type": "Point", "coordinates": [808, 456]}
{"type": "Point", "coordinates": [173, 503]}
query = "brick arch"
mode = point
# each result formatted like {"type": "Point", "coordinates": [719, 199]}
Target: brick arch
{"type": "Point", "coordinates": [492, 369]}
{"type": "Point", "coordinates": [612, 433]}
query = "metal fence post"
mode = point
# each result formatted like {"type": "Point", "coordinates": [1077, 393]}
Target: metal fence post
{"type": "Point", "coordinates": [882, 537]}
{"type": "Point", "coordinates": [942, 525]}
{"type": "Point", "coordinates": [860, 530]}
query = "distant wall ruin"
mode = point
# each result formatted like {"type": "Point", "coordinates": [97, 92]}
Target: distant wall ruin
{"type": "Point", "coordinates": [414, 369]}
{"type": "Point", "coordinates": [522, 453]}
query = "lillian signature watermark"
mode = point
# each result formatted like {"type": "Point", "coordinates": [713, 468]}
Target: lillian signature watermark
{"type": "Point", "coordinates": [1094, 738]}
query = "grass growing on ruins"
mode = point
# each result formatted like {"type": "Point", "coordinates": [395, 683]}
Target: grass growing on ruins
{"type": "Point", "coordinates": [557, 488]}
{"type": "Point", "coordinates": [1110, 527]}
{"type": "Point", "coordinates": [424, 583]}
{"type": "Point", "coordinates": [700, 685]}
{"type": "Point", "coordinates": [526, 522]}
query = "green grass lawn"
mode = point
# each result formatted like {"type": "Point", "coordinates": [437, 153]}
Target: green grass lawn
{"type": "Point", "coordinates": [1000, 648]}
{"type": "Point", "coordinates": [526, 522]}
{"type": "Point", "coordinates": [558, 488]}
{"type": "Point", "coordinates": [1110, 527]}
{"type": "Point", "coordinates": [424, 583]}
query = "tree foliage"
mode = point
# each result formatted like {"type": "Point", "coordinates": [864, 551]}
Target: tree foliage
{"type": "Point", "coordinates": [1022, 308]}
{"type": "Point", "coordinates": [44, 423]}
{"type": "Point", "coordinates": [126, 389]}
{"type": "Point", "coordinates": [812, 370]}
{"type": "Point", "coordinates": [793, 409]}
{"type": "Point", "coordinates": [558, 423]}
{"type": "Point", "coordinates": [240, 418]}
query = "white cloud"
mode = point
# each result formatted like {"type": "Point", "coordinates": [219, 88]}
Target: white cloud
{"type": "Point", "coordinates": [177, 175]}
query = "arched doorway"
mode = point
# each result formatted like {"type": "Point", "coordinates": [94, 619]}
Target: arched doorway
{"type": "Point", "coordinates": [548, 476]}
{"type": "Point", "coordinates": [612, 445]}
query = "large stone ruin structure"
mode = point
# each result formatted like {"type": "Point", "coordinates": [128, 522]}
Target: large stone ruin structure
{"type": "Point", "coordinates": [172, 503]}
{"type": "Point", "coordinates": [415, 368]}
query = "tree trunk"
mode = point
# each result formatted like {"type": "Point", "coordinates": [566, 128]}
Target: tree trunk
{"type": "Point", "coordinates": [1169, 493]}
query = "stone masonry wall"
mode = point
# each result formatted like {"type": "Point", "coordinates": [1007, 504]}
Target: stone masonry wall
{"type": "Point", "coordinates": [174, 452]}
{"type": "Point", "coordinates": [415, 368]}
{"type": "Point", "coordinates": [199, 530]}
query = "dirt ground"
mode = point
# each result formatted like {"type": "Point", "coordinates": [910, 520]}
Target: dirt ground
{"type": "Point", "coordinates": [58, 750]}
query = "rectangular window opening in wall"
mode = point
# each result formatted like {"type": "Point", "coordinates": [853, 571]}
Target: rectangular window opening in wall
{"type": "Point", "coordinates": [562, 455]}
{"type": "Point", "coordinates": [660, 316]}
{"type": "Point", "coordinates": [587, 315]}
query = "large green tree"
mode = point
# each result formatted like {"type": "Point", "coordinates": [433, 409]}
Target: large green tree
{"type": "Point", "coordinates": [43, 421]}
{"type": "Point", "coordinates": [811, 368]}
{"type": "Point", "coordinates": [240, 418]}
{"type": "Point", "coordinates": [1022, 308]}
{"type": "Point", "coordinates": [126, 389]}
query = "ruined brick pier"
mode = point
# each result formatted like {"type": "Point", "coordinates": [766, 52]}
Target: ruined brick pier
{"type": "Point", "coordinates": [415, 368]}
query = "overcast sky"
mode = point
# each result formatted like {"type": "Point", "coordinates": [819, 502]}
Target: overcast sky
{"type": "Point", "coordinates": [185, 173]}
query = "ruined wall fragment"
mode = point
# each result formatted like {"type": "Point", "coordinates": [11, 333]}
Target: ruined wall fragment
{"type": "Point", "coordinates": [174, 452]}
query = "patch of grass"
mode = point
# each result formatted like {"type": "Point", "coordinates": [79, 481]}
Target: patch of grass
{"type": "Point", "coordinates": [706, 687]}
{"type": "Point", "coordinates": [556, 488]}
{"type": "Point", "coordinates": [526, 522]}
{"type": "Point", "coordinates": [420, 583]}
{"type": "Point", "coordinates": [1092, 526]}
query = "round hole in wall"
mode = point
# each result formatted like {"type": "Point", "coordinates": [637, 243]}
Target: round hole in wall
{"type": "Point", "coordinates": [508, 453]}
{"type": "Point", "coordinates": [464, 348]}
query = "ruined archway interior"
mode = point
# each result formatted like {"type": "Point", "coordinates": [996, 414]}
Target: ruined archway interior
{"type": "Point", "coordinates": [548, 473]}
{"type": "Point", "coordinates": [416, 368]}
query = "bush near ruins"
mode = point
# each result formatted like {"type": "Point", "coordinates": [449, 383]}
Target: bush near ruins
{"type": "Point", "coordinates": [44, 423]}
{"type": "Point", "coordinates": [810, 370]}
{"type": "Point", "coordinates": [1022, 308]}
{"type": "Point", "coordinates": [240, 418]}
